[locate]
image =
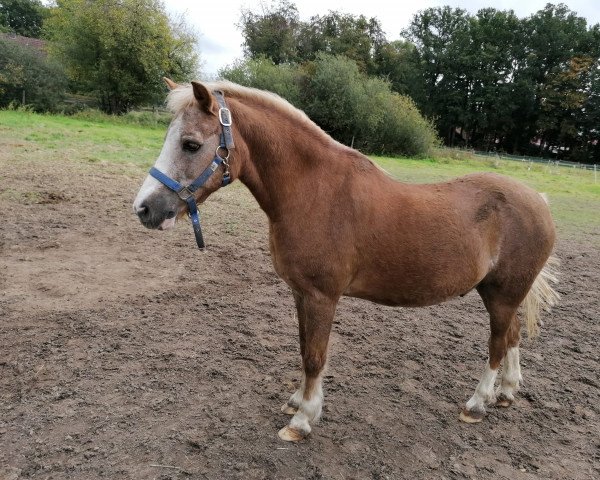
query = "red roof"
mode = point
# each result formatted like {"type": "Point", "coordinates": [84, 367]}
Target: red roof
{"type": "Point", "coordinates": [35, 43]}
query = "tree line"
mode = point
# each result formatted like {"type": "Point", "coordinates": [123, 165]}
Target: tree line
{"type": "Point", "coordinates": [489, 81]}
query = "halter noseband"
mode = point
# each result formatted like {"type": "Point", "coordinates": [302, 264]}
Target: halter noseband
{"type": "Point", "coordinates": [186, 193]}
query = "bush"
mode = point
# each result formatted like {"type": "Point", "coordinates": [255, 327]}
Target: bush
{"type": "Point", "coordinates": [334, 96]}
{"type": "Point", "coordinates": [403, 129]}
{"type": "Point", "coordinates": [27, 76]}
{"type": "Point", "coordinates": [363, 111]}
{"type": "Point", "coordinates": [262, 73]}
{"type": "Point", "coordinates": [158, 118]}
{"type": "Point", "coordinates": [352, 107]}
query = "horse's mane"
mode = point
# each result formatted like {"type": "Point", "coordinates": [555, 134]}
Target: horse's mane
{"type": "Point", "coordinates": [183, 97]}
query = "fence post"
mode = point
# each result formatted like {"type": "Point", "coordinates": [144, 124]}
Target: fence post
{"type": "Point", "coordinates": [595, 174]}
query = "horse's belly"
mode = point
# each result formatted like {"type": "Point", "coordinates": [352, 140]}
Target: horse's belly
{"type": "Point", "coordinates": [401, 299]}
{"type": "Point", "coordinates": [416, 289]}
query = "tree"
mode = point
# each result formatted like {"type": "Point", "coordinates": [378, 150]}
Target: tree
{"type": "Point", "coordinates": [119, 51]}
{"type": "Point", "coordinates": [441, 36]}
{"type": "Point", "coordinates": [398, 61]}
{"type": "Point", "coordinates": [493, 80]}
{"type": "Point", "coordinates": [278, 34]}
{"type": "Point", "coordinates": [589, 118]}
{"type": "Point", "coordinates": [355, 37]}
{"type": "Point", "coordinates": [23, 17]}
{"type": "Point", "coordinates": [560, 50]}
{"type": "Point", "coordinates": [562, 97]}
{"type": "Point", "coordinates": [27, 76]}
{"type": "Point", "coordinates": [273, 33]}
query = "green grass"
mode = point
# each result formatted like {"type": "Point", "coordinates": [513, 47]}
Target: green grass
{"type": "Point", "coordinates": [81, 140]}
{"type": "Point", "coordinates": [98, 138]}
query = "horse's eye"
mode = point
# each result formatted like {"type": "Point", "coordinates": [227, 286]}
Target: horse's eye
{"type": "Point", "coordinates": [190, 146]}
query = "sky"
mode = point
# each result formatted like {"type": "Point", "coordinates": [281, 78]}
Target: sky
{"type": "Point", "coordinates": [220, 40]}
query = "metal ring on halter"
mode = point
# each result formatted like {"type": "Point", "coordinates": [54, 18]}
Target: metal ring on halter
{"type": "Point", "coordinates": [226, 157]}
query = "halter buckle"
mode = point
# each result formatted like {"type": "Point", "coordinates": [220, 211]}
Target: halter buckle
{"type": "Point", "coordinates": [225, 116]}
{"type": "Point", "coordinates": [185, 193]}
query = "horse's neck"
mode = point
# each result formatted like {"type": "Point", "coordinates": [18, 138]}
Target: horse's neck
{"type": "Point", "coordinates": [285, 162]}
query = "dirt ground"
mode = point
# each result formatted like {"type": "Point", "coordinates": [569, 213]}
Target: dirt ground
{"type": "Point", "coordinates": [127, 354]}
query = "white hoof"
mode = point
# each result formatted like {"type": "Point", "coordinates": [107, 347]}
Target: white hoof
{"type": "Point", "coordinates": [289, 434]}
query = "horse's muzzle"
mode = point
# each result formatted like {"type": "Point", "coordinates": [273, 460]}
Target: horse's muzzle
{"type": "Point", "coordinates": [153, 214]}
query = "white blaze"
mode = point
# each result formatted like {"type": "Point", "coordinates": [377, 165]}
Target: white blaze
{"type": "Point", "coordinates": [164, 163]}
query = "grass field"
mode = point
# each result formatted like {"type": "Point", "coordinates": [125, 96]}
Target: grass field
{"type": "Point", "coordinates": [574, 195]}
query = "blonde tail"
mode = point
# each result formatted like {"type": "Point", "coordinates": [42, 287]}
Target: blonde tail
{"type": "Point", "coordinates": [541, 296]}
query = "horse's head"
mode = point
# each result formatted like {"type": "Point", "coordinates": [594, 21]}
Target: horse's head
{"type": "Point", "coordinates": [193, 148]}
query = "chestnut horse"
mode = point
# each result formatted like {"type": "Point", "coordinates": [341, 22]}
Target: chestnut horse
{"type": "Point", "coordinates": [339, 225]}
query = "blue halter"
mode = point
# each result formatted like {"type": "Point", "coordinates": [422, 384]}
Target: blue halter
{"type": "Point", "coordinates": [186, 193]}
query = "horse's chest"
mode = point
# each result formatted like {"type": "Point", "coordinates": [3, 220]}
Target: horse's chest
{"type": "Point", "coordinates": [303, 263]}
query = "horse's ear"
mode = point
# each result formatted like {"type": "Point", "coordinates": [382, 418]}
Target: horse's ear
{"type": "Point", "coordinates": [204, 97]}
{"type": "Point", "coordinates": [170, 83]}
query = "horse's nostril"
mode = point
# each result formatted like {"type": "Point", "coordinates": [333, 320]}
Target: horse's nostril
{"type": "Point", "coordinates": [142, 210]}
{"type": "Point", "coordinates": [170, 214]}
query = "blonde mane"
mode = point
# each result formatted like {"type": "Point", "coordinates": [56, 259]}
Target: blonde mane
{"type": "Point", "coordinates": [183, 97]}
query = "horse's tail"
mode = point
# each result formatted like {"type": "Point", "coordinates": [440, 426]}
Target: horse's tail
{"type": "Point", "coordinates": [541, 295]}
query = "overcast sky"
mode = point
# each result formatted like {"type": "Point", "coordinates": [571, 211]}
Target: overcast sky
{"type": "Point", "coordinates": [220, 39]}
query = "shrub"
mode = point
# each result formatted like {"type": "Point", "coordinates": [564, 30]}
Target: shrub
{"type": "Point", "coordinates": [403, 129]}
{"type": "Point", "coordinates": [146, 118]}
{"type": "Point", "coordinates": [284, 79]}
{"type": "Point", "coordinates": [363, 111]}
{"type": "Point", "coordinates": [334, 97]}
{"type": "Point", "coordinates": [352, 107]}
{"type": "Point", "coordinates": [26, 74]}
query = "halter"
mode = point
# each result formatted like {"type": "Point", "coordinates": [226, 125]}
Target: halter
{"type": "Point", "coordinates": [186, 193]}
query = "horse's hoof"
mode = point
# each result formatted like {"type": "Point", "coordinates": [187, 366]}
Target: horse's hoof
{"type": "Point", "coordinates": [290, 434]}
{"type": "Point", "coordinates": [504, 401]}
{"type": "Point", "coordinates": [470, 416]}
{"type": "Point", "coordinates": [288, 410]}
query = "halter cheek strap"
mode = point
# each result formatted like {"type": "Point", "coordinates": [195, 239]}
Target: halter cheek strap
{"type": "Point", "coordinates": [186, 193]}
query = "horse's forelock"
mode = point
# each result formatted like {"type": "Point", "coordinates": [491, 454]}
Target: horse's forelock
{"type": "Point", "coordinates": [181, 98]}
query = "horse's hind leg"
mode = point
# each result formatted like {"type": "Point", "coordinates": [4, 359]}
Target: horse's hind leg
{"type": "Point", "coordinates": [511, 368]}
{"type": "Point", "coordinates": [503, 324]}
{"type": "Point", "coordinates": [317, 311]}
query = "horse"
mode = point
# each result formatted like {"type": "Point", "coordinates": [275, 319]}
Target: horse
{"type": "Point", "coordinates": [341, 226]}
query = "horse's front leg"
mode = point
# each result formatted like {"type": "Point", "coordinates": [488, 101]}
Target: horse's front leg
{"type": "Point", "coordinates": [291, 406]}
{"type": "Point", "coordinates": [315, 317]}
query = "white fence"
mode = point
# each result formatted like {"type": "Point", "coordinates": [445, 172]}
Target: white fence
{"type": "Point", "coordinates": [549, 162]}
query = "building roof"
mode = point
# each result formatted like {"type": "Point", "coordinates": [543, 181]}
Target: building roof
{"type": "Point", "coordinates": [35, 43]}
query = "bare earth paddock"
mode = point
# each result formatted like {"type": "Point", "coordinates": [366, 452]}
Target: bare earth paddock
{"type": "Point", "coordinates": [127, 354]}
